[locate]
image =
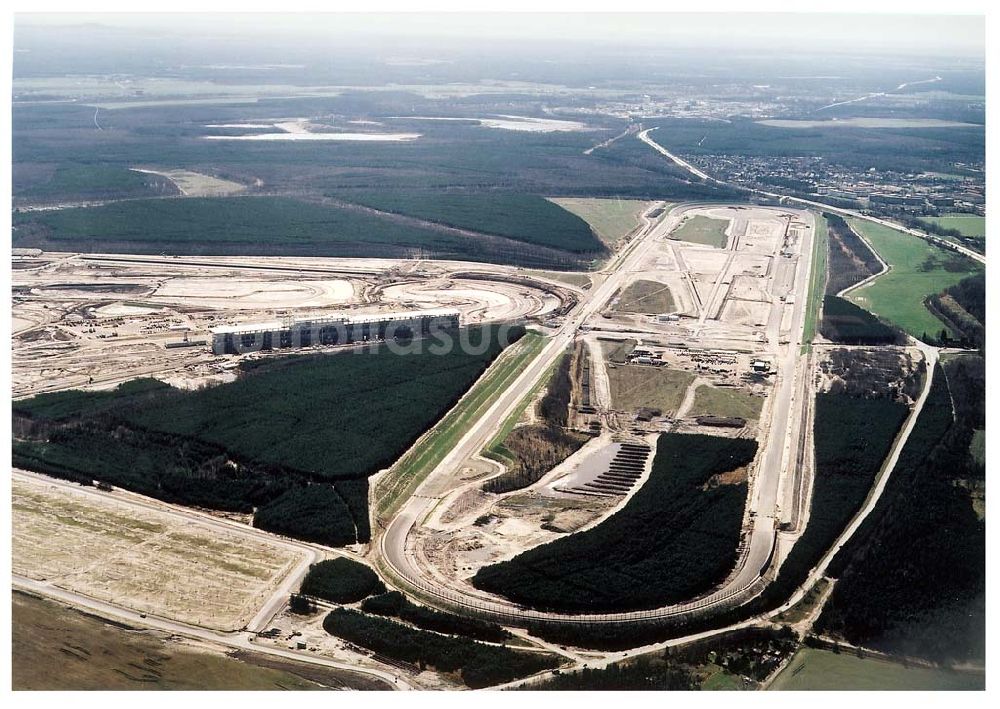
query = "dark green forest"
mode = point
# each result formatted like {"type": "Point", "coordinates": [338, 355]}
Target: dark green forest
{"type": "Point", "coordinates": [688, 524]}
{"type": "Point", "coordinates": [923, 547]}
{"type": "Point", "coordinates": [845, 323]}
{"type": "Point", "coordinates": [341, 580]}
{"type": "Point", "coordinates": [528, 218]}
{"type": "Point", "coordinates": [477, 664]}
{"type": "Point", "coordinates": [394, 604]}
{"type": "Point", "coordinates": [278, 442]}
{"type": "Point", "coordinates": [963, 308]}
{"type": "Point", "coordinates": [283, 226]}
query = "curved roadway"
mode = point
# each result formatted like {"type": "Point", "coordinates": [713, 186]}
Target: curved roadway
{"type": "Point", "coordinates": [747, 580]}
{"type": "Point", "coordinates": [681, 162]}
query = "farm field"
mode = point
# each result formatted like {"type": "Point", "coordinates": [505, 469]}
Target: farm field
{"type": "Point", "coordinates": [650, 297]}
{"type": "Point", "coordinates": [846, 323]}
{"type": "Point", "coordinates": [581, 280]}
{"type": "Point", "coordinates": [721, 401]}
{"type": "Point", "coordinates": [60, 648]}
{"type": "Point", "coordinates": [195, 184]}
{"type": "Point", "coordinates": [634, 386]}
{"type": "Point", "coordinates": [611, 219]}
{"type": "Point", "coordinates": [144, 560]}
{"type": "Point", "coordinates": [703, 230]}
{"type": "Point", "coordinates": [918, 270]}
{"type": "Point", "coordinates": [813, 669]}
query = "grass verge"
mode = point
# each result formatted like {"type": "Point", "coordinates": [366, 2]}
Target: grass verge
{"type": "Point", "coordinates": [404, 477]}
{"type": "Point", "coordinates": [817, 281]}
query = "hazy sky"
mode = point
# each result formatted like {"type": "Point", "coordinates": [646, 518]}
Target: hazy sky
{"type": "Point", "coordinates": [933, 34]}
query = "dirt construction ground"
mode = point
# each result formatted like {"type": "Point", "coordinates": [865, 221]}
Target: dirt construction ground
{"type": "Point", "coordinates": [84, 320]}
{"type": "Point", "coordinates": [142, 559]}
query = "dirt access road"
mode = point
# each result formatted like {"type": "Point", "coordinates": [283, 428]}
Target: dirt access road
{"type": "Point", "coordinates": [398, 562]}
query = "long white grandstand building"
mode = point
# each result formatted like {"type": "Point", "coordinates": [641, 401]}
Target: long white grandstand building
{"type": "Point", "coordinates": [338, 329]}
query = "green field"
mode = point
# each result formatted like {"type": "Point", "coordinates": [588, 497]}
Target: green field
{"type": "Point", "coordinates": [723, 401]}
{"type": "Point", "coordinates": [404, 477]}
{"type": "Point", "coordinates": [817, 281]}
{"type": "Point", "coordinates": [813, 669]}
{"type": "Point", "coordinates": [495, 449]}
{"type": "Point", "coordinates": [611, 219]}
{"type": "Point", "coordinates": [661, 388]}
{"type": "Point", "coordinates": [650, 297]}
{"type": "Point", "coordinates": [968, 224]}
{"type": "Point", "coordinates": [918, 269]}
{"type": "Point", "coordinates": [703, 230]}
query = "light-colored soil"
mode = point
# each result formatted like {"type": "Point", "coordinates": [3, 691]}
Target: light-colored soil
{"type": "Point", "coordinates": [196, 184]}
{"type": "Point", "coordinates": [144, 560]}
{"type": "Point", "coordinates": [250, 293]}
{"type": "Point", "coordinates": [82, 322]}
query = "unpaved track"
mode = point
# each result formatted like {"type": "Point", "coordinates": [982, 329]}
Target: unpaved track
{"type": "Point", "coordinates": [240, 640]}
{"type": "Point", "coordinates": [396, 559]}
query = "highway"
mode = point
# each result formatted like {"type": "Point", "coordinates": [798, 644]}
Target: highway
{"type": "Point", "coordinates": [396, 560]}
{"type": "Point", "coordinates": [644, 137]}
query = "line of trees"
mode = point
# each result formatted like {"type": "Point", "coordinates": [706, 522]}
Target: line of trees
{"type": "Point", "coordinates": [396, 605]}
{"type": "Point", "coordinates": [477, 665]}
{"type": "Point", "coordinates": [923, 548]}
{"type": "Point", "coordinates": [532, 450]}
{"type": "Point", "coordinates": [851, 260]}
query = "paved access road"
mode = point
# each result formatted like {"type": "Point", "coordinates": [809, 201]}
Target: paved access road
{"type": "Point", "coordinates": [398, 561]}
